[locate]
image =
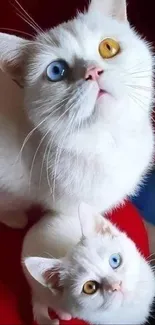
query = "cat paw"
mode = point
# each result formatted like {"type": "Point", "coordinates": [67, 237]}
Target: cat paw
{"type": "Point", "coordinates": [46, 321]}
{"type": "Point", "coordinates": [41, 314]}
{"type": "Point", "coordinates": [63, 315]}
{"type": "Point", "coordinates": [14, 219]}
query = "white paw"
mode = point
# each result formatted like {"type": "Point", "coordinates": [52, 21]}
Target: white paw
{"type": "Point", "coordinates": [46, 321]}
{"type": "Point", "coordinates": [63, 315]}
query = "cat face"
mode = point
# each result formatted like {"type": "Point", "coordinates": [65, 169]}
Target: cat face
{"type": "Point", "coordinates": [93, 69]}
{"type": "Point", "coordinates": [102, 274]}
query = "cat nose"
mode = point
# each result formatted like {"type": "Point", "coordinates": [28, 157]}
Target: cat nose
{"type": "Point", "coordinates": [116, 286]}
{"type": "Point", "coordinates": [93, 73]}
{"type": "Point", "coordinates": [113, 287]}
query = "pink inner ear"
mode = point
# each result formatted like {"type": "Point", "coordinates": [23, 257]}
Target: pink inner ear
{"type": "Point", "coordinates": [52, 279]}
{"type": "Point", "coordinates": [103, 229]}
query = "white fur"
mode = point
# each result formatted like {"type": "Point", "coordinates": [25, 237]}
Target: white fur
{"type": "Point", "coordinates": [55, 245]}
{"type": "Point", "coordinates": [99, 151]}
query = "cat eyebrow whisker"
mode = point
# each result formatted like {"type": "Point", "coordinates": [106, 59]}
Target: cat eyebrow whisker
{"type": "Point", "coordinates": [26, 17]}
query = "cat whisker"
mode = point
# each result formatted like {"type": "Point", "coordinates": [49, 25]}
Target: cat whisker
{"type": "Point", "coordinates": [135, 68]}
{"type": "Point", "coordinates": [137, 73]}
{"type": "Point", "coordinates": [34, 158]}
{"type": "Point", "coordinates": [49, 255]}
{"type": "Point", "coordinates": [45, 152]}
{"type": "Point", "coordinates": [58, 153]}
{"type": "Point", "coordinates": [152, 119]}
{"type": "Point", "coordinates": [28, 22]}
{"type": "Point", "coordinates": [137, 100]}
{"type": "Point", "coordinates": [139, 87]}
{"type": "Point", "coordinates": [16, 31]}
{"type": "Point", "coordinates": [41, 142]}
{"type": "Point", "coordinates": [47, 166]}
{"type": "Point", "coordinates": [22, 11]}
{"type": "Point", "coordinates": [43, 161]}
{"type": "Point", "coordinates": [150, 255]}
{"type": "Point", "coordinates": [37, 127]}
{"type": "Point", "coordinates": [59, 150]}
{"type": "Point", "coordinates": [29, 136]}
{"type": "Point", "coordinates": [70, 127]}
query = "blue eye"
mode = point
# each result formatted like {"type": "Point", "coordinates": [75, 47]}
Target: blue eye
{"type": "Point", "coordinates": [57, 70]}
{"type": "Point", "coordinates": [115, 261]}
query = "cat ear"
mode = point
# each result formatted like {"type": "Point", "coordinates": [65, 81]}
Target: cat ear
{"type": "Point", "coordinates": [90, 219]}
{"type": "Point", "coordinates": [44, 270]}
{"type": "Point", "coordinates": [13, 55]}
{"type": "Point", "coordinates": [93, 222]}
{"type": "Point", "coordinates": [113, 8]}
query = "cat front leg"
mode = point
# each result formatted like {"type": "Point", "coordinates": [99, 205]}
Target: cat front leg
{"type": "Point", "coordinates": [41, 315]}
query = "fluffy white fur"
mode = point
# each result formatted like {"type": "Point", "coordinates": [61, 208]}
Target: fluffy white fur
{"type": "Point", "coordinates": [87, 149]}
{"type": "Point", "coordinates": [57, 262]}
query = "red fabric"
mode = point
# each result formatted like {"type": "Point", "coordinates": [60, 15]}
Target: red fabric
{"type": "Point", "coordinates": [15, 307]}
{"type": "Point", "coordinates": [14, 293]}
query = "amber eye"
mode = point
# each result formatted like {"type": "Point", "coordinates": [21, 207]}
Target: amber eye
{"type": "Point", "coordinates": [108, 48]}
{"type": "Point", "coordinates": [90, 287]}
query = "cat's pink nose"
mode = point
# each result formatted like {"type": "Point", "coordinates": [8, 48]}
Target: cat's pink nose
{"type": "Point", "coordinates": [113, 287]}
{"type": "Point", "coordinates": [116, 286]}
{"type": "Point", "coordinates": [93, 73]}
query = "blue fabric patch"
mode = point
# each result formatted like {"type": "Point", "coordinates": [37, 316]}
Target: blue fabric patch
{"type": "Point", "coordinates": [145, 202]}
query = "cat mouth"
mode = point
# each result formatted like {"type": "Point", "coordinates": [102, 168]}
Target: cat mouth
{"type": "Point", "coordinates": [101, 92]}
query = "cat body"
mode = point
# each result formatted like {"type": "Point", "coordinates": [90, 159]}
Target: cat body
{"type": "Point", "coordinates": [61, 266]}
{"type": "Point", "coordinates": [91, 114]}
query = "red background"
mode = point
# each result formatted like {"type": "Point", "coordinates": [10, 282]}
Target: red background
{"type": "Point", "coordinates": [48, 13]}
{"type": "Point", "coordinates": [14, 294]}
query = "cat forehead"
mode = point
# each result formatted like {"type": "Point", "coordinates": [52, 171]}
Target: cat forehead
{"type": "Point", "coordinates": [77, 42]}
{"type": "Point", "coordinates": [68, 36]}
{"type": "Point", "coordinates": [103, 245]}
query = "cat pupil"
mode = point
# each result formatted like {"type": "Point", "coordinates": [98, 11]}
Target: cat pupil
{"type": "Point", "coordinates": [56, 70]}
{"type": "Point", "coordinates": [108, 47]}
{"type": "Point", "coordinates": [115, 260]}
{"type": "Point", "coordinates": [90, 286]}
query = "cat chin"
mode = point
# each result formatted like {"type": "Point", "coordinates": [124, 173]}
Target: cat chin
{"type": "Point", "coordinates": [114, 302]}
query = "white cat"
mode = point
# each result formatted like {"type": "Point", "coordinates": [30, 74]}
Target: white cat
{"type": "Point", "coordinates": [101, 278]}
{"type": "Point", "coordinates": [88, 92]}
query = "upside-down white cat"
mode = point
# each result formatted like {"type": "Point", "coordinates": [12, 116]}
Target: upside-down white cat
{"type": "Point", "coordinates": [100, 277]}
{"type": "Point", "coordinates": [88, 92]}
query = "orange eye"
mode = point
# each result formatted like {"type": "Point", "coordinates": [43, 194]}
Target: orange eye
{"type": "Point", "coordinates": [90, 287]}
{"type": "Point", "coordinates": [109, 48]}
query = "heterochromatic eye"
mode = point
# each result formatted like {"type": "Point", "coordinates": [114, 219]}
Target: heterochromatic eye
{"type": "Point", "coordinates": [90, 287]}
{"type": "Point", "coordinates": [115, 261]}
{"type": "Point", "coordinates": [57, 70]}
{"type": "Point", "coordinates": [108, 48]}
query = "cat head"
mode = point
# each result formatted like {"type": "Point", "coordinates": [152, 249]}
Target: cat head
{"type": "Point", "coordinates": [102, 273]}
{"type": "Point", "coordinates": [92, 69]}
